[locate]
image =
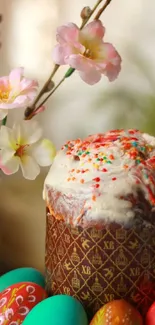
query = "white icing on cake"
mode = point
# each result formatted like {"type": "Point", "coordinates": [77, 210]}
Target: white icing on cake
{"type": "Point", "coordinates": [104, 171]}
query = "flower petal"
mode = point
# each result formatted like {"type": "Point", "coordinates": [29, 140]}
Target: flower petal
{"type": "Point", "coordinates": [79, 62]}
{"type": "Point", "coordinates": [91, 77]}
{"type": "Point", "coordinates": [111, 64]}
{"type": "Point", "coordinates": [39, 110]}
{"type": "Point", "coordinates": [58, 54]}
{"type": "Point", "coordinates": [10, 105]}
{"type": "Point", "coordinates": [21, 101]}
{"type": "Point", "coordinates": [44, 152]}
{"type": "Point", "coordinates": [26, 84]}
{"type": "Point", "coordinates": [15, 77]}
{"type": "Point", "coordinates": [3, 113]}
{"type": "Point", "coordinates": [4, 83]}
{"type": "Point", "coordinates": [6, 155]}
{"type": "Point", "coordinates": [95, 29]}
{"type": "Point", "coordinates": [10, 166]}
{"type": "Point", "coordinates": [30, 168]}
{"type": "Point", "coordinates": [67, 34]}
{"type": "Point", "coordinates": [112, 71]}
{"type": "Point", "coordinates": [6, 138]}
{"type": "Point", "coordinates": [27, 132]}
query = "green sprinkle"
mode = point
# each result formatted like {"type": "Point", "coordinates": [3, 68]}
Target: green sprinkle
{"type": "Point", "coordinates": [138, 161]}
{"type": "Point", "coordinates": [98, 159]}
{"type": "Point", "coordinates": [80, 153]}
{"type": "Point", "coordinates": [109, 162]}
{"type": "Point", "coordinates": [135, 144]}
{"type": "Point", "coordinates": [87, 152]}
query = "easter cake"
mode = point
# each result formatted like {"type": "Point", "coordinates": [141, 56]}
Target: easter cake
{"type": "Point", "coordinates": [100, 239]}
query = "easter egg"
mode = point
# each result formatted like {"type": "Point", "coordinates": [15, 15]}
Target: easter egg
{"type": "Point", "coordinates": [150, 316]}
{"type": "Point", "coordinates": [57, 310]}
{"type": "Point", "coordinates": [25, 274]}
{"type": "Point", "coordinates": [17, 301]}
{"type": "Point", "coordinates": [117, 312]}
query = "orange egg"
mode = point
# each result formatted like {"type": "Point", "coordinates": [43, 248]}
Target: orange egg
{"type": "Point", "coordinates": [117, 312]}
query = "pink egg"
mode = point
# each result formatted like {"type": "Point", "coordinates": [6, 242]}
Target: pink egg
{"type": "Point", "coordinates": [17, 301]}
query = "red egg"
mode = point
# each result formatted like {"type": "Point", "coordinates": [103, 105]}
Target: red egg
{"type": "Point", "coordinates": [18, 300]}
{"type": "Point", "coordinates": [150, 316]}
{"type": "Point", "coordinates": [117, 312]}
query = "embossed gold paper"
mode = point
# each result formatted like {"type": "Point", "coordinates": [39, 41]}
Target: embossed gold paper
{"type": "Point", "coordinates": [99, 265]}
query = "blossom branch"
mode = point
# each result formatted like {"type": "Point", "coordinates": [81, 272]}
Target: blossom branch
{"type": "Point", "coordinates": [29, 111]}
{"type": "Point", "coordinates": [67, 75]}
{"type": "Point", "coordinates": [102, 9]}
{"type": "Point", "coordinates": [91, 13]}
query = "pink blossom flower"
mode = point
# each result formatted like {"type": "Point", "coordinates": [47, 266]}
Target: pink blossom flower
{"type": "Point", "coordinates": [16, 91]}
{"type": "Point", "coordinates": [85, 51]}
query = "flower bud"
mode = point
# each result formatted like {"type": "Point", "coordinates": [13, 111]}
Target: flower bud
{"type": "Point", "coordinates": [85, 13]}
{"type": "Point", "coordinates": [28, 111]}
{"type": "Point", "coordinates": [50, 86]}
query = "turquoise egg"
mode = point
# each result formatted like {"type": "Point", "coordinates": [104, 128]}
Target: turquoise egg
{"type": "Point", "coordinates": [24, 274]}
{"type": "Point", "coordinates": [57, 310]}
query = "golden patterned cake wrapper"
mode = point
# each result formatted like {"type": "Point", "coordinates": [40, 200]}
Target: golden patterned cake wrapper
{"type": "Point", "coordinates": [99, 265]}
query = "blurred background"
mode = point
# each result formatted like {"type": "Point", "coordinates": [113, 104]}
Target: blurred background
{"type": "Point", "coordinates": [27, 34]}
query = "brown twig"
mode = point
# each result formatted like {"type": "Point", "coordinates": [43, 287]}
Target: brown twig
{"type": "Point", "coordinates": [92, 12]}
{"type": "Point", "coordinates": [102, 9]}
{"type": "Point", "coordinates": [42, 103]}
{"type": "Point", "coordinates": [42, 91]}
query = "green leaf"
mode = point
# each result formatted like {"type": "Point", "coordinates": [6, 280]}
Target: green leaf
{"type": "Point", "coordinates": [4, 120]}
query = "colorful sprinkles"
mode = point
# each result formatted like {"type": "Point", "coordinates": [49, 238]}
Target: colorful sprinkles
{"type": "Point", "coordinates": [99, 154]}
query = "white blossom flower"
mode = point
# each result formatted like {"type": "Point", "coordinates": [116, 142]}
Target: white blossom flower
{"type": "Point", "coordinates": [23, 147]}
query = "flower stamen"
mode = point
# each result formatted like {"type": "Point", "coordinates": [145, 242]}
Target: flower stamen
{"type": "Point", "coordinates": [88, 53]}
{"type": "Point", "coordinates": [21, 150]}
{"type": "Point", "coordinates": [4, 95]}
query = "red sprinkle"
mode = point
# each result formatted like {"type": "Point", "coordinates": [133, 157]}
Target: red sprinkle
{"type": "Point", "coordinates": [104, 170]}
{"type": "Point", "coordinates": [96, 179]}
{"type": "Point", "coordinates": [114, 179]}
{"type": "Point", "coordinates": [131, 131]}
